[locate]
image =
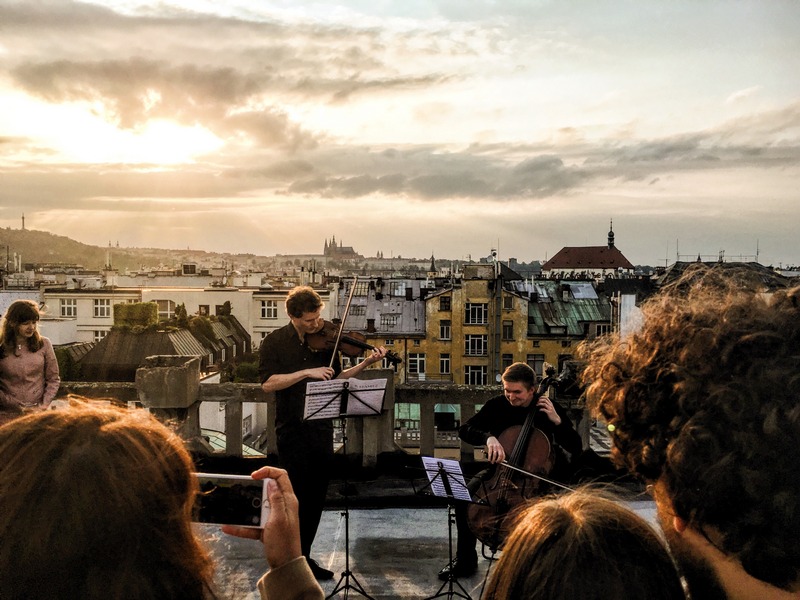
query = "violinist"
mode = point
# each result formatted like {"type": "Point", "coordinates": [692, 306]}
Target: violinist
{"type": "Point", "coordinates": [305, 448]}
{"type": "Point", "coordinates": [510, 409]}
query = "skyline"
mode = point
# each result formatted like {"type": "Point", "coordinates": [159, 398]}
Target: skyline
{"type": "Point", "coordinates": [409, 128]}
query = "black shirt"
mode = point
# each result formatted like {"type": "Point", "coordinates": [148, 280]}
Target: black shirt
{"type": "Point", "coordinates": [281, 353]}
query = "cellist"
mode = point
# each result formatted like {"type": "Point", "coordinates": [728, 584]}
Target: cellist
{"type": "Point", "coordinates": [520, 395]}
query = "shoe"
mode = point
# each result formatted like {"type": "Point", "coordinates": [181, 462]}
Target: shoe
{"type": "Point", "coordinates": [459, 568]}
{"type": "Point", "coordinates": [320, 573]}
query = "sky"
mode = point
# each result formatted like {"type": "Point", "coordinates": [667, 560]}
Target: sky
{"type": "Point", "coordinates": [407, 127]}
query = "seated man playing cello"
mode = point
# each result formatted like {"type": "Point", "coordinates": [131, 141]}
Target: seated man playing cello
{"type": "Point", "coordinates": [523, 428]}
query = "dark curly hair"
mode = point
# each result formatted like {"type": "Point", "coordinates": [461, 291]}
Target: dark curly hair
{"type": "Point", "coordinates": [706, 399]}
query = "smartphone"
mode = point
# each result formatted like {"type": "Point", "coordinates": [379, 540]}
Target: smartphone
{"type": "Point", "coordinates": [231, 500]}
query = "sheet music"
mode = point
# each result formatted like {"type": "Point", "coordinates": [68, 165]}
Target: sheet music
{"type": "Point", "coordinates": [452, 468]}
{"type": "Point", "coordinates": [323, 398]}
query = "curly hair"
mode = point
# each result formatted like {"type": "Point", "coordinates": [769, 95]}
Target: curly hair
{"type": "Point", "coordinates": [706, 399]}
{"type": "Point", "coordinates": [303, 299]}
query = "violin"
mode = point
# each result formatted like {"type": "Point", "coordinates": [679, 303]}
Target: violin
{"type": "Point", "coordinates": [514, 483]}
{"type": "Point", "coordinates": [351, 344]}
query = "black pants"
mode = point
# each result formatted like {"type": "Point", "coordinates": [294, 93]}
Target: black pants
{"type": "Point", "coordinates": [307, 454]}
{"type": "Point", "coordinates": [465, 544]}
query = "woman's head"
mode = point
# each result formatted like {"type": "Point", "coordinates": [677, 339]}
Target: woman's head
{"type": "Point", "coordinates": [19, 325]}
{"type": "Point", "coordinates": [583, 546]}
{"type": "Point", "coordinates": [95, 502]}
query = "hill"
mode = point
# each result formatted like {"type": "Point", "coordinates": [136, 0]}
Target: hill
{"type": "Point", "coordinates": [42, 247]}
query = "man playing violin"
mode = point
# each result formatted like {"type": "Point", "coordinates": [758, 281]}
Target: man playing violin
{"type": "Point", "coordinates": [519, 397]}
{"type": "Point", "coordinates": [305, 448]}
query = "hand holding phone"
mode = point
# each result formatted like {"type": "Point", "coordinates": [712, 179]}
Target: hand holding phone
{"type": "Point", "coordinates": [281, 533]}
{"type": "Point", "coordinates": [231, 500]}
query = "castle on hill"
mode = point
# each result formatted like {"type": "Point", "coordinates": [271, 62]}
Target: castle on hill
{"type": "Point", "coordinates": [336, 251]}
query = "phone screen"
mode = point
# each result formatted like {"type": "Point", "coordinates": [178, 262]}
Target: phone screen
{"type": "Point", "coordinates": [231, 500]}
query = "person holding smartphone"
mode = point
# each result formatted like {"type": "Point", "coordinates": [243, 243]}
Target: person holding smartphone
{"type": "Point", "coordinates": [97, 501]}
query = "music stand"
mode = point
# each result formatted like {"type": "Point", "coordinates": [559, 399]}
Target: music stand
{"type": "Point", "coordinates": [342, 398]}
{"type": "Point", "coordinates": [446, 480]}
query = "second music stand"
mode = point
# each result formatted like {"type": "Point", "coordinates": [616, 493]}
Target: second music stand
{"type": "Point", "coordinates": [446, 480]}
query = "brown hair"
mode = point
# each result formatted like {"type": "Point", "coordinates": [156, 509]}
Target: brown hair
{"type": "Point", "coordinates": [706, 399]}
{"type": "Point", "coordinates": [583, 546]}
{"type": "Point", "coordinates": [520, 372]}
{"type": "Point", "coordinates": [20, 311]}
{"type": "Point", "coordinates": [302, 299]}
{"type": "Point", "coordinates": [95, 503]}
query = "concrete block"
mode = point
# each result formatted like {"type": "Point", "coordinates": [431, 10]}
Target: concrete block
{"type": "Point", "coordinates": [168, 381]}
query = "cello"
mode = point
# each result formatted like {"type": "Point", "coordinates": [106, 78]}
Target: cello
{"type": "Point", "coordinates": [530, 457]}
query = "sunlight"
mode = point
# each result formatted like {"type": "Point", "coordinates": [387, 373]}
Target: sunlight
{"type": "Point", "coordinates": [160, 142]}
{"type": "Point", "coordinates": [74, 133]}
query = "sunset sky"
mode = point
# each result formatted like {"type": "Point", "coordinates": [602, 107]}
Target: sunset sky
{"type": "Point", "coordinates": [408, 127]}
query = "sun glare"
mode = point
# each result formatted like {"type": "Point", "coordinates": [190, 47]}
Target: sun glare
{"type": "Point", "coordinates": [71, 133]}
{"type": "Point", "coordinates": [159, 142]}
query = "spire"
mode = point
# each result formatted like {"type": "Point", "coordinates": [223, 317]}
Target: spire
{"type": "Point", "coordinates": [611, 235]}
{"type": "Point", "coordinates": [433, 264]}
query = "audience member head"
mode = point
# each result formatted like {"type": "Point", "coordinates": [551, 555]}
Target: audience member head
{"type": "Point", "coordinates": [302, 300]}
{"type": "Point", "coordinates": [704, 404]}
{"type": "Point", "coordinates": [583, 546]}
{"type": "Point", "coordinates": [95, 503]}
{"type": "Point", "coordinates": [19, 312]}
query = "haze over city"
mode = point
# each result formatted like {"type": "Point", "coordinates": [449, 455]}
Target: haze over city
{"type": "Point", "coordinates": [405, 127]}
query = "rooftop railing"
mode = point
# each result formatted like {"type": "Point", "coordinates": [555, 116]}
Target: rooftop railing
{"type": "Point", "coordinates": [170, 388]}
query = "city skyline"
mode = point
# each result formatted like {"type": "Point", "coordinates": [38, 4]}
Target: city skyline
{"type": "Point", "coordinates": [407, 128]}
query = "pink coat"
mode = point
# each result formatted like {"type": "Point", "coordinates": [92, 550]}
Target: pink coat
{"type": "Point", "coordinates": [30, 378]}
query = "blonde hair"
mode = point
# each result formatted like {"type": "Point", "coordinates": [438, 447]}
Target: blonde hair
{"type": "Point", "coordinates": [583, 545]}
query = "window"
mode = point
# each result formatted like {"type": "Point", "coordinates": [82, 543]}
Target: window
{"type": "Point", "coordinates": [444, 303]}
{"type": "Point", "coordinates": [69, 307]}
{"type": "Point", "coordinates": [397, 288]}
{"type": "Point", "coordinates": [416, 363]}
{"type": "Point", "coordinates": [99, 334]}
{"type": "Point", "coordinates": [166, 309]}
{"type": "Point", "coordinates": [536, 362]}
{"type": "Point", "coordinates": [416, 343]}
{"type": "Point", "coordinates": [102, 307]}
{"type": "Point", "coordinates": [602, 329]}
{"type": "Point", "coordinates": [508, 302]}
{"type": "Point", "coordinates": [475, 345]}
{"type": "Point", "coordinates": [389, 342]}
{"type": "Point", "coordinates": [388, 321]}
{"type": "Point", "coordinates": [506, 361]}
{"type": "Point", "coordinates": [536, 343]}
{"type": "Point", "coordinates": [476, 313]}
{"type": "Point", "coordinates": [475, 375]}
{"type": "Point", "coordinates": [247, 427]}
{"type": "Point", "coordinates": [362, 288]}
{"type": "Point", "coordinates": [508, 330]}
{"type": "Point", "coordinates": [269, 309]}
{"type": "Point", "coordinates": [203, 310]}
{"type": "Point", "coordinates": [358, 311]}
{"type": "Point", "coordinates": [444, 329]}
{"type": "Point", "coordinates": [444, 364]}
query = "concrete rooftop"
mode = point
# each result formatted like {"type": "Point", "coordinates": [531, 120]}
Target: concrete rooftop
{"type": "Point", "coordinates": [395, 553]}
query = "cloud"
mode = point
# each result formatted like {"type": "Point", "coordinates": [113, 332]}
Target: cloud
{"type": "Point", "coordinates": [740, 95]}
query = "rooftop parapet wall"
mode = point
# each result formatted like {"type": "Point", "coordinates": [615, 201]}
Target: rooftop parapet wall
{"type": "Point", "coordinates": [367, 437]}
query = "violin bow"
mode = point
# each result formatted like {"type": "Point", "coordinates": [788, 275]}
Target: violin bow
{"type": "Point", "coordinates": [344, 317]}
